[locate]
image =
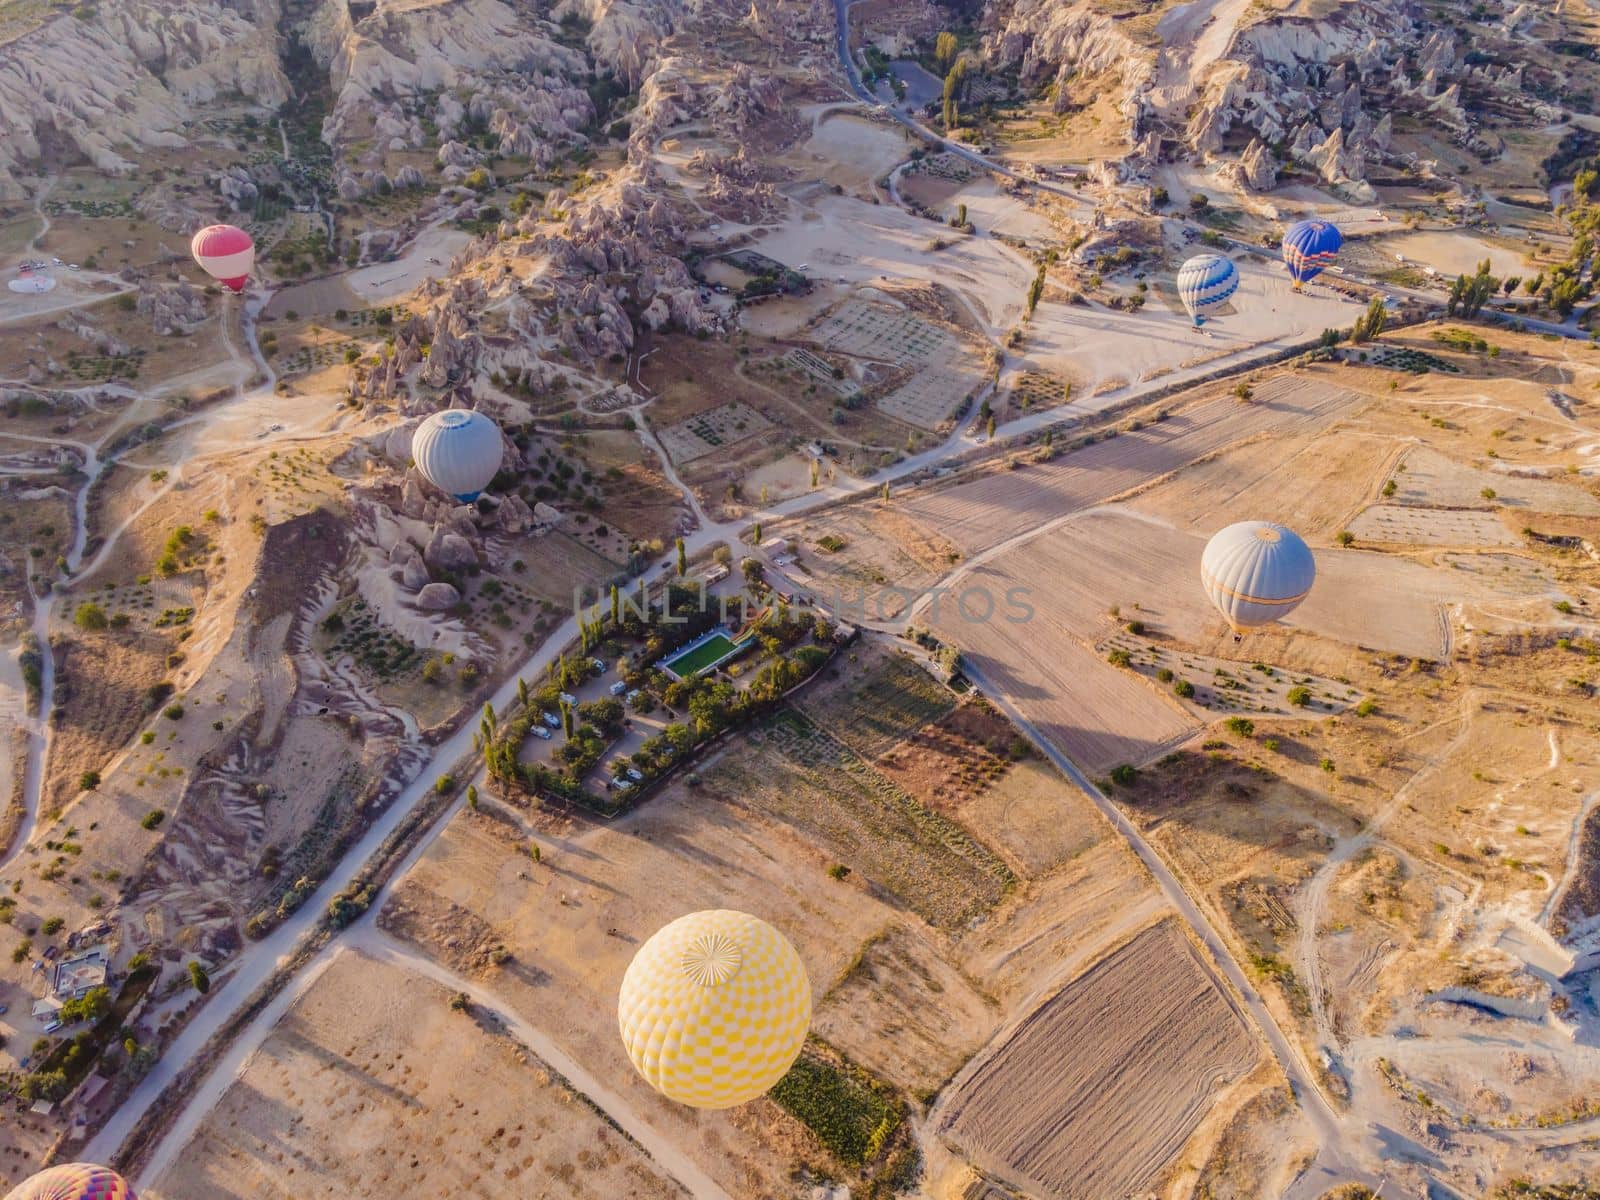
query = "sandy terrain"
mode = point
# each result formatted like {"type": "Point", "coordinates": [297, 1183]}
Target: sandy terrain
{"type": "Point", "coordinates": [1429, 478]}
{"type": "Point", "coordinates": [840, 237]}
{"type": "Point", "coordinates": [851, 152]}
{"type": "Point", "coordinates": [986, 511]}
{"type": "Point", "coordinates": [1095, 1092]}
{"type": "Point", "coordinates": [403, 1092]}
{"type": "Point", "coordinates": [1452, 253]}
{"type": "Point", "coordinates": [1107, 348]}
{"type": "Point", "coordinates": [383, 283]}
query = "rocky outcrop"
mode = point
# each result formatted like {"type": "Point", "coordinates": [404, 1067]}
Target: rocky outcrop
{"type": "Point", "coordinates": [170, 310]}
{"type": "Point", "coordinates": [1256, 168]}
{"type": "Point", "coordinates": [447, 551]}
{"type": "Point", "coordinates": [475, 64]}
{"type": "Point", "coordinates": [105, 80]}
{"type": "Point", "coordinates": [438, 597]}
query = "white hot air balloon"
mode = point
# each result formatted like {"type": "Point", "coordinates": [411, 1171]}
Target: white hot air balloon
{"type": "Point", "coordinates": [1256, 572]}
{"type": "Point", "coordinates": [1205, 281]}
{"type": "Point", "coordinates": [714, 1008]}
{"type": "Point", "coordinates": [459, 451]}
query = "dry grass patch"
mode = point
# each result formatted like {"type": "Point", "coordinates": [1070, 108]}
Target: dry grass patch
{"type": "Point", "coordinates": [877, 701]}
{"type": "Point", "coordinates": [805, 777]}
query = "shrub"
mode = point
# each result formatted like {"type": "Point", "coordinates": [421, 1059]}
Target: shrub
{"type": "Point", "coordinates": [1299, 696]}
{"type": "Point", "coordinates": [1327, 765]}
{"type": "Point", "coordinates": [1184, 689]}
{"type": "Point", "coordinates": [1366, 708]}
{"type": "Point", "coordinates": [153, 819]}
{"type": "Point", "coordinates": [1118, 657]}
{"type": "Point", "coordinates": [173, 712]}
{"type": "Point", "coordinates": [1124, 774]}
{"type": "Point", "coordinates": [444, 784]}
{"type": "Point", "coordinates": [52, 926]}
{"type": "Point", "coordinates": [90, 616]}
{"type": "Point", "coordinates": [199, 978]}
{"type": "Point", "coordinates": [838, 871]}
{"type": "Point", "coordinates": [1135, 627]}
{"type": "Point", "coordinates": [89, 780]}
{"type": "Point", "coordinates": [1164, 674]}
{"type": "Point", "coordinates": [1346, 538]}
{"type": "Point", "coordinates": [1241, 726]}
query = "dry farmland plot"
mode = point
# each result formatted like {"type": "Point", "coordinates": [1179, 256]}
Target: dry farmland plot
{"type": "Point", "coordinates": [983, 512]}
{"type": "Point", "coordinates": [878, 703]}
{"type": "Point", "coordinates": [883, 334]}
{"type": "Point", "coordinates": [1075, 571]}
{"type": "Point", "coordinates": [1228, 686]}
{"type": "Point", "coordinates": [1092, 712]}
{"type": "Point", "coordinates": [1311, 484]}
{"type": "Point", "coordinates": [1506, 574]}
{"type": "Point", "coordinates": [1431, 479]}
{"type": "Point", "coordinates": [1399, 524]}
{"type": "Point", "coordinates": [882, 547]}
{"type": "Point", "coordinates": [947, 372]}
{"type": "Point", "coordinates": [905, 1013]}
{"type": "Point", "coordinates": [371, 1058]}
{"type": "Point", "coordinates": [557, 564]}
{"type": "Point", "coordinates": [1096, 1092]}
{"type": "Point", "coordinates": [927, 399]}
{"type": "Point", "coordinates": [712, 430]}
{"type": "Point", "coordinates": [803, 776]}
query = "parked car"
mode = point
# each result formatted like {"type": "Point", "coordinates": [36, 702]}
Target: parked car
{"type": "Point", "coordinates": [633, 774]}
{"type": "Point", "coordinates": [599, 664]}
{"type": "Point", "coordinates": [618, 688]}
{"type": "Point", "coordinates": [551, 720]}
{"type": "Point", "coordinates": [568, 698]}
{"type": "Point", "coordinates": [539, 731]}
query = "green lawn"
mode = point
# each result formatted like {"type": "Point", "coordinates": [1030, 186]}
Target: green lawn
{"type": "Point", "coordinates": [693, 662]}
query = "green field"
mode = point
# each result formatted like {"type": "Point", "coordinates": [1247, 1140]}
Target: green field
{"type": "Point", "coordinates": [707, 654]}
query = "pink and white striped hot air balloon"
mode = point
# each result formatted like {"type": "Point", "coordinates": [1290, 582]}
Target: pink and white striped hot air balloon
{"type": "Point", "coordinates": [226, 253]}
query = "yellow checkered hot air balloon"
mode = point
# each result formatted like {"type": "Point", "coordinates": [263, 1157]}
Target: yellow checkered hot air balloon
{"type": "Point", "coordinates": [74, 1181]}
{"type": "Point", "coordinates": [714, 1008]}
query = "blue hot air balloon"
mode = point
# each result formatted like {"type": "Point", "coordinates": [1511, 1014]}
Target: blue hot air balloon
{"type": "Point", "coordinates": [1308, 247]}
{"type": "Point", "coordinates": [1206, 281]}
{"type": "Point", "coordinates": [459, 452]}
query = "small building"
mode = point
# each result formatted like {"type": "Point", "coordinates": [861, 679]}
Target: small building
{"type": "Point", "coordinates": [77, 975]}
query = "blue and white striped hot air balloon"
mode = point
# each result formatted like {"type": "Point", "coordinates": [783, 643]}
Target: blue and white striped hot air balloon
{"type": "Point", "coordinates": [1206, 281]}
{"type": "Point", "coordinates": [1256, 573]}
{"type": "Point", "coordinates": [1309, 247]}
{"type": "Point", "coordinates": [458, 451]}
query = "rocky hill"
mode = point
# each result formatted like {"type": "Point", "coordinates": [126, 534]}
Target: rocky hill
{"type": "Point", "coordinates": [1220, 80]}
{"type": "Point", "coordinates": [101, 82]}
